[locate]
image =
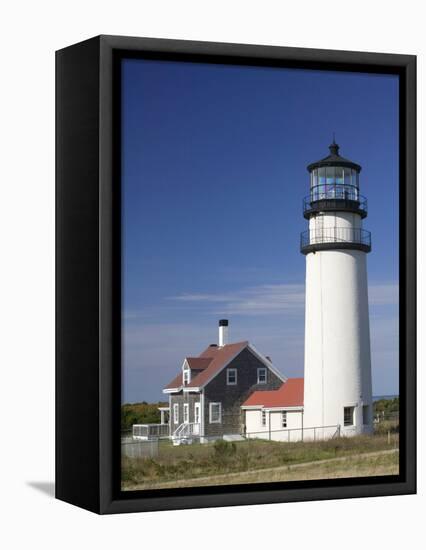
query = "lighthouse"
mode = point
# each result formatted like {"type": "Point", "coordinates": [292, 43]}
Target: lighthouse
{"type": "Point", "coordinates": [337, 388]}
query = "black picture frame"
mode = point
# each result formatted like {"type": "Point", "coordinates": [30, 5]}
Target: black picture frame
{"type": "Point", "coordinates": [88, 309]}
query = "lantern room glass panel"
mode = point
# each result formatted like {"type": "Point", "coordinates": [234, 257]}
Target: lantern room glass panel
{"type": "Point", "coordinates": [347, 176]}
{"type": "Point", "coordinates": [355, 184]}
{"type": "Point", "coordinates": [314, 177]}
{"type": "Point", "coordinates": [330, 171]}
{"type": "Point", "coordinates": [314, 185]}
{"type": "Point", "coordinates": [329, 180]}
{"type": "Point", "coordinates": [322, 183]}
{"type": "Point", "coordinates": [339, 175]}
{"type": "Point", "coordinates": [338, 188]}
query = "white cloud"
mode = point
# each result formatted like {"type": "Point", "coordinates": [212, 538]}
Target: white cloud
{"type": "Point", "coordinates": [273, 299]}
{"type": "Point", "coordinates": [257, 300]}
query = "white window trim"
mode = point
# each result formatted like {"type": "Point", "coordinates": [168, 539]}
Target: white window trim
{"type": "Point", "coordinates": [197, 405]}
{"type": "Point", "coordinates": [228, 371]}
{"type": "Point", "coordinates": [210, 413]}
{"type": "Point", "coordinates": [186, 413]}
{"type": "Point", "coordinates": [265, 370]}
{"type": "Point", "coordinates": [176, 413]}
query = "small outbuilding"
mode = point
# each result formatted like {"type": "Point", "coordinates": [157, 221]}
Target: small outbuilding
{"type": "Point", "coordinates": [276, 414]}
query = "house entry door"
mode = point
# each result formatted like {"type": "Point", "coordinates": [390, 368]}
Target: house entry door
{"type": "Point", "coordinates": [197, 418]}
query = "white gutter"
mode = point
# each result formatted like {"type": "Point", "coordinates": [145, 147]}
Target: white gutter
{"type": "Point", "coordinates": [261, 407]}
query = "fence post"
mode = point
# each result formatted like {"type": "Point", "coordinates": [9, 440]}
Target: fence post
{"type": "Point", "coordinates": [269, 425]}
{"type": "Point", "coordinates": [248, 452]}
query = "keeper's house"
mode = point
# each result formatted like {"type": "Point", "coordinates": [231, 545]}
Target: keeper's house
{"type": "Point", "coordinates": [206, 396]}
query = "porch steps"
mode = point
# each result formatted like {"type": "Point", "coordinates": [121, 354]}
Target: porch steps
{"type": "Point", "coordinates": [186, 433]}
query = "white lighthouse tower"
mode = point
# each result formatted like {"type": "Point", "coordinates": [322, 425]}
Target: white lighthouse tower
{"type": "Point", "coordinates": [337, 389]}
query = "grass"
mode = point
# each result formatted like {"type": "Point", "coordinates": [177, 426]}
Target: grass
{"type": "Point", "coordinates": [364, 465]}
{"type": "Point", "coordinates": [244, 460]}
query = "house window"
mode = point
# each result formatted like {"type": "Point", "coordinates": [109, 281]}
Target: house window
{"type": "Point", "coordinates": [176, 413]}
{"type": "Point", "coordinates": [261, 376]}
{"type": "Point", "coordinates": [186, 376]}
{"type": "Point", "coordinates": [348, 416]}
{"type": "Point", "coordinates": [263, 420]}
{"type": "Point", "coordinates": [215, 413]}
{"type": "Point", "coordinates": [231, 377]}
{"type": "Point", "coordinates": [186, 413]}
{"type": "Point", "coordinates": [284, 419]}
{"type": "Point", "coordinates": [365, 414]}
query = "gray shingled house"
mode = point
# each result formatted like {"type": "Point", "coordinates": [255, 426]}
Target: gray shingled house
{"type": "Point", "coordinates": [206, 395]}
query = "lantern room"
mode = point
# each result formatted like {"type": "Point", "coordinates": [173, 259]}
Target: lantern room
{"type": "Point", "coordinates": [334, 184]}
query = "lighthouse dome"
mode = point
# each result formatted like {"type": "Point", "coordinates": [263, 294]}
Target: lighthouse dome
{"type": "Point", "coordinates": [334, 159]}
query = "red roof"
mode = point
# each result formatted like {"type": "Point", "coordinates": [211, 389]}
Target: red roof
{"type": "Point", "coordinates": [217, 358]}
{"type": "Point", "coordinates": [198, 363]}
{"type": "Point", "coordinates": [220, 356]}
{"type": "Point", "coordinates": [290, 394]}
{"type": "Point", "coordinates": [175, 383]}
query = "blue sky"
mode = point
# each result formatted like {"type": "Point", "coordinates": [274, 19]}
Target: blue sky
{"type": "Point", "coordinates": [213, 177]}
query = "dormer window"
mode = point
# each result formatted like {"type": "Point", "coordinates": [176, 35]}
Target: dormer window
{"type": "Point", "coordinates": [186, 377]}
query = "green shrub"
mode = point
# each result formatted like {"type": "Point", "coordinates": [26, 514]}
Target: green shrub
{"type": "Point", "coordinates": [224, 449]}
{"type": "Point", "coordinates": [382, 428]}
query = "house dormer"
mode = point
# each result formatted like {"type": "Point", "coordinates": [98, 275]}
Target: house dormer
{"type": "Point", "coordinates": [186, 373]}
{"type": "Point", "coordinates": [192, 366]}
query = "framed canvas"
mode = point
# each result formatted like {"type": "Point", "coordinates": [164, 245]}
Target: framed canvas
{"type": "Point", "coordinates": [242, 190]}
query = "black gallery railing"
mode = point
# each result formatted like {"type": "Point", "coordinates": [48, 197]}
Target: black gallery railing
{"type": "Point", "coordinates": [334, 190]}
{"type": "Point", "coordinates": [331, 235]}
{"type": "Point", "coordinates": [335, 197]}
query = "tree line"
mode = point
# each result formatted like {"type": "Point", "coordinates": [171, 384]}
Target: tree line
{"type": "Point", "coordinates": [386, 407]}
{"type": "Point", "coordinates": [140, 413]}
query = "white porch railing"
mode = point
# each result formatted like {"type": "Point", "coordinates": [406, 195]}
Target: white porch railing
{"type": "Point", "coordinates": [150, 431]}
{"type": "Point", "coordinates": [186, 431]}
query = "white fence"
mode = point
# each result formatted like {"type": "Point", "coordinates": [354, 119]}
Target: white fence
{"type": "Point", "coordinates": [139, 449]}
{"type": "Point", "coordinates": [314, 433]}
